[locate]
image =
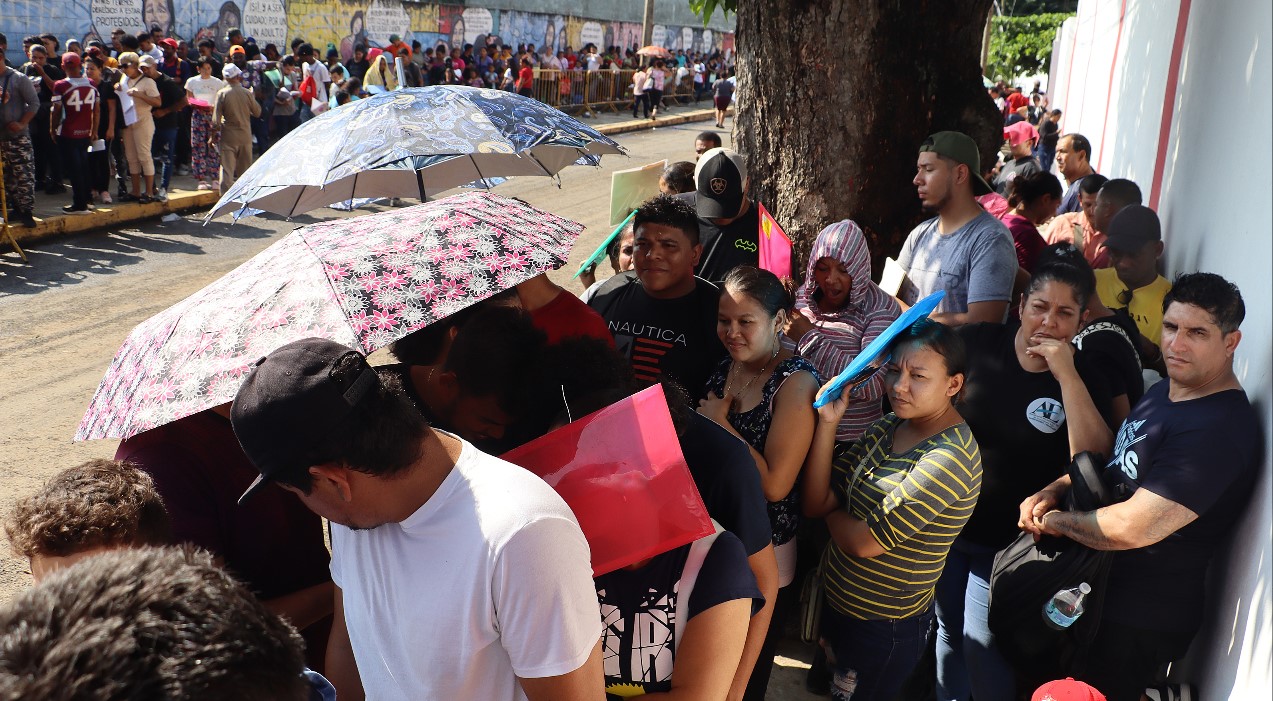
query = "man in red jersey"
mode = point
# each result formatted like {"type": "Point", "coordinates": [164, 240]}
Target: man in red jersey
{"type": "Point", "coordinates": [72, 124]}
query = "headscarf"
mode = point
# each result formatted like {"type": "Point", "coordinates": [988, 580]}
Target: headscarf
{"type": "Point", "coordinates": [380, 74]}
{"type": "Point", "coordinates": [840, 334]}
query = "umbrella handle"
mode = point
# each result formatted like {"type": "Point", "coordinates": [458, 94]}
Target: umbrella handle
{"type": "Point", "coordinates": [601, 250]}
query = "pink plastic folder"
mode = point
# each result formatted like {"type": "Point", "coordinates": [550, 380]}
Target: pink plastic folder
{"type": "Point", "coordinates": [775, 245]}
{"type": "Point", "coordinates": [621, 471]}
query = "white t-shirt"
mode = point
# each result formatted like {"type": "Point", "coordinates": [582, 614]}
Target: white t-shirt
{"type": "Point", "coordinates": [321, 78]}
{"type": "Point", "coordinates": [489, 580]}
{"type": "Point", "coordinates": [205, 89]}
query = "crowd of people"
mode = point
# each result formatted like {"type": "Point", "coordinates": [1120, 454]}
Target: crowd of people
{"type": "Point", "coordinates": [453, 574]}
{"type": "Point", "coordinates": [144, 107]}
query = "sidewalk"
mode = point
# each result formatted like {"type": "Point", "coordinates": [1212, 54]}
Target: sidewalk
{"type": "Point", "coordinates": [184, 197]}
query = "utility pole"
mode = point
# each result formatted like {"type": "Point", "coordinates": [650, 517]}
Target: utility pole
{"type": "Point", "coordinates": [647, 24]}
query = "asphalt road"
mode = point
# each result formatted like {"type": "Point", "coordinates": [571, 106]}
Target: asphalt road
{"type": "Point", "coordinates": [63, 316]}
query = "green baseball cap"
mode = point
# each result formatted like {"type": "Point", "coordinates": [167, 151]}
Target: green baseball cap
{"type": "Point", "coordinates": [959, 147]}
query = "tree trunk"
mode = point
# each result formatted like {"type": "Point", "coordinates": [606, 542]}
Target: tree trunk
{"type": "Point", "coordinates": [836, 97]}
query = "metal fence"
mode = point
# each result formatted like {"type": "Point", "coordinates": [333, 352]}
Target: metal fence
{"type": "Point", "coordinates": [579, 91]}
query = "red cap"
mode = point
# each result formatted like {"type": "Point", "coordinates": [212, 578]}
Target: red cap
{"type": "Point", "coordinates": [70, 58]}
{"type": "Point", "coordinates": [1067, 690]}
{"type": "Point", "coordinates": [169, 42]}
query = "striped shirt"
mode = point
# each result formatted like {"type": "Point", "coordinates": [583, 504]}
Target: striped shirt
{"type": "Point", "coordinates": [838, 336]}
{"type": "Point", "coordinates": [914, 503]}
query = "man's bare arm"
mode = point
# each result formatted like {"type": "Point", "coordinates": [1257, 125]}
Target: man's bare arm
{"type": "Point", "coordinates": [1142, 520]}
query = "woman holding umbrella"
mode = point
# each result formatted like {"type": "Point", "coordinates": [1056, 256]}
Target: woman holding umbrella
{"type": "Point", "coordinates": [655, 92]}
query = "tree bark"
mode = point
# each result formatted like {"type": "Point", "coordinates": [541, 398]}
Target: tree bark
{"type": "Point", "coordinates": [837, 95]}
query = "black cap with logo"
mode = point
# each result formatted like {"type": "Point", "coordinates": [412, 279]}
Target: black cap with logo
{"type": "Point", "coordinates": [721, 177]}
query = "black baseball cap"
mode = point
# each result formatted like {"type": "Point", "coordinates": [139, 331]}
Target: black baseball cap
{"type": "Point", "coordinates": [959, 147]}
{"type": "Point", "coordinates": [720, 176]}
{"type": "Point", "coordinates": [1132, 227]}
{"type": "Point", "coordinates": [291, 399]}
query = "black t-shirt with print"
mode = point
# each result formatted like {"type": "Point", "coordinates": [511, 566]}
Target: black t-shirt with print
{"type": "Point", "coordinates": [726, 247]}
{"type": "Point", "coordinates": [672, 337]}
{"type": "Point", "coordinates": [1114, 354]}
{"type": "Point", "coordinates": [638, 612]}
{"type": "Point", "coordinates": [1204, 455]}
{"type": "Point", "coordinates": [726, 477]}
{"type": "Point", "coordinates": [1019, 423]}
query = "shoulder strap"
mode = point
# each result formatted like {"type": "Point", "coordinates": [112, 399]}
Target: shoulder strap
{"type": "Point", "coordinates": [689, 576]}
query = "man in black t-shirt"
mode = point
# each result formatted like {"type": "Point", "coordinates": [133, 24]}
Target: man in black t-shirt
{"type": "Point", "coordinates": [167, 118]}
{"type": "Point", "coordinates": [728, 221]}
{"type": "Point", "coordinates": [662, 317]}
{"type": "Point", "coordinates": [1185, 460]}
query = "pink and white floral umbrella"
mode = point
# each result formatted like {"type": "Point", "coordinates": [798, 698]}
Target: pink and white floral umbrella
{"type": "Point", "coordinates": [364, 282]}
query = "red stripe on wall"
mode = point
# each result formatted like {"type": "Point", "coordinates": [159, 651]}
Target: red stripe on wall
{"type": "Point", "coordinates": [1109, 89]}
{"type": "Point", "coordinates": [1169, 102]}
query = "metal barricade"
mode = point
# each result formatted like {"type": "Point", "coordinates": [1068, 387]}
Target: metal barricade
{"type": "Point", "coordinates": [580, 91]}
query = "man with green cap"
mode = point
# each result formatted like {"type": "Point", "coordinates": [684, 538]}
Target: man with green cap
{"type": "Point", "coordinates": [963, 250]}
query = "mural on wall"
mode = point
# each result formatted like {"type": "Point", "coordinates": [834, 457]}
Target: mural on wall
{"type": "Point", "coordinates": [339, 24]}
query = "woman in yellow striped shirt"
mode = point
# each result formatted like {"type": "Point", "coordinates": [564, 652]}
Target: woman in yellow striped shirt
{"type": "Point", "coordinates": [894, 502]}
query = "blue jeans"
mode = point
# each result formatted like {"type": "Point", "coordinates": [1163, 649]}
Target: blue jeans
{"type": "Point", "coordinates": [871, 659]}
{"type": "Point", "coordinates": [968, 663]}
{"type": "Point", "coordinates": [164, 151]}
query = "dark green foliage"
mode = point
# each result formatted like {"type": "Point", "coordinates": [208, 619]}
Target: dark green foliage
{"type": "Point", "coordinates": [705, 8]}
{"type": "Point", "coordinates": [1022, 45]}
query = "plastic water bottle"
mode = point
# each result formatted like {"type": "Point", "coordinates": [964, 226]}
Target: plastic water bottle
{"type": "Point", "coordinates": [1065, 607]}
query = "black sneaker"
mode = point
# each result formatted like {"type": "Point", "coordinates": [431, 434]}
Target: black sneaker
{"type": "Point", "coordinates": [26, 219]}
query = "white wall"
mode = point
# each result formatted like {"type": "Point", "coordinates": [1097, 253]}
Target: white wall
{"type": "Point", "coordinates": [1215, 197]}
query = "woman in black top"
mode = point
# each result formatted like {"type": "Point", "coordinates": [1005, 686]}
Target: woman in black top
{"type": "Point", "coordinates": [1108, 340]}
{"type": "Point", "coordinates": [1032, 404]}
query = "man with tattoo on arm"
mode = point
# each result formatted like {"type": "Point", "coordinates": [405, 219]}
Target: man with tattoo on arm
{"type": "Point", "coordinates": [1186, 460]}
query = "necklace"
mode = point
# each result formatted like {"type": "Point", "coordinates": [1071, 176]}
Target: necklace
{"type": "Point", "coordinates": [729, 383]}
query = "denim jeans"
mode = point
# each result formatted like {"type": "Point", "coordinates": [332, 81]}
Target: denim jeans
{"type": "Point", "coordinates": [164, 151]}
{"type": "Point", "coordinates": [871, 659]}
{"type": "Point", "coordinates": [968, 663]}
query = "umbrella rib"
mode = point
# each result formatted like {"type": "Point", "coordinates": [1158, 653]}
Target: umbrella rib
{"type": "Point", "coordinates": [531, 154]}
{"type": "Point", "coordinates": [478, 170]}
{"type": "Point", "coordinates": [419, 181]}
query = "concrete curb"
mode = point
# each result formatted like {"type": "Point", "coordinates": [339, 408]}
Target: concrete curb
{"type": "Point", "coordinates": [115, 215]}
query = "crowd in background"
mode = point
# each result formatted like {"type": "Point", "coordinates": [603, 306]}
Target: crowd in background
{"type": "Point", "coordinates": [117, 120]}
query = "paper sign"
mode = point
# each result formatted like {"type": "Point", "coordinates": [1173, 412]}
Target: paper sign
{"type": "Point", "coordinates": [896, 283]}
{"type": "Point", "coordinates": [630, 188]}
{"type": "Point", "coordinates": [621, 471]}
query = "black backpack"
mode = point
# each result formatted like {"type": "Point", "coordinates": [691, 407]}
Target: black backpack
{"type": "Point", "coordinates": [1027, 574]}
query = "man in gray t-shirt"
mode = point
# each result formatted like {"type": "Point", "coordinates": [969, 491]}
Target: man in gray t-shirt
{"type": "Point", "coordinates": [963, 250]}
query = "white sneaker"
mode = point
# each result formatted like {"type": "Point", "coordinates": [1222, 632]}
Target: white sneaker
{"type": "Point", "coordinates": [161, 194]}
{"type": "Point", "coordinates": [106, 198]}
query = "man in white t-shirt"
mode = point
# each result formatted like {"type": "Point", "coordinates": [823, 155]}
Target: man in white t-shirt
{"type": "Point", "coordinates": [311, 66]}
{"type": "Point", "coordinates": [458, 575]}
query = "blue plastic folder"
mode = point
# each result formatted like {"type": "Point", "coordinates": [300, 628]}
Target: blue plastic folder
{"type": "Point", "coordinates": [860, 367]}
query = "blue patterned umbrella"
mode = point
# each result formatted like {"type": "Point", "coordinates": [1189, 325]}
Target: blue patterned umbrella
{"type": "Point", "coordinates": [413, 143]}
